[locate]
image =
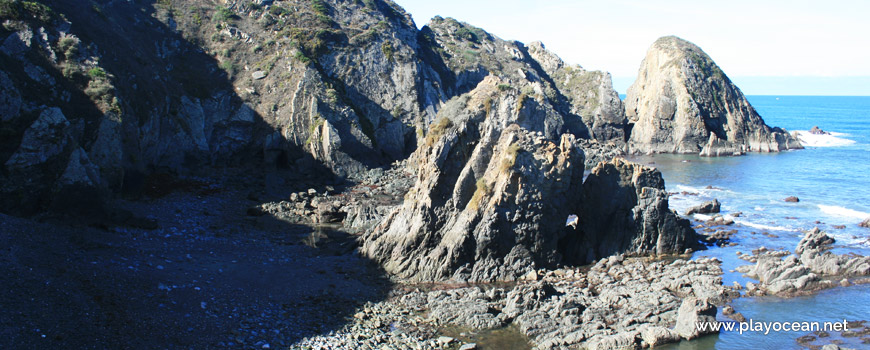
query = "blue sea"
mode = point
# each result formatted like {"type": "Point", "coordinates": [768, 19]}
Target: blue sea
{"type": "Point", "coordinates": [830, 177]}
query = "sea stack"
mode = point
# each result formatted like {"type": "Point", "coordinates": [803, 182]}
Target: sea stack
{"type": "Point", "coordinates": [682, 102]}
{"type": "Point", "coordinates": [496, 182]}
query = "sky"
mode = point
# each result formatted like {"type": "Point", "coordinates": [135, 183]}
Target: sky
{"type": "Point", "coordinates": [765, 47]}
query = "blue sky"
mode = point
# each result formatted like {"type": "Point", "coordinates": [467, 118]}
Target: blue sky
{"type": "Point", "coordinates": [766, 47]}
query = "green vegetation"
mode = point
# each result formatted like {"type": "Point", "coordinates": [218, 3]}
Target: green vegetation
{"type": "Point", "coordinates": [312, 129]}
{"type": "Point", "coordinates": [276, 10]}
{"type": "Point", "coordinates": [313, 43]}
{"type": "Point", "coordinates": [482, 191]}
{"type": "Point", "coordinates": [98, 10]}
{"type": "Point", "coordinates": [370, 4]}
{"type": "Point", "coordinates": [300, 56]}
{"type": "Point", "coordinates": [98, 88]}
{"type": "Point", "coordinates": [224, 14]}
{"type": "Point", "coordinates": [332, 95]}
{"type": "Point", "coordinates": [97, 73]}
{"type": "Point", "coordinates": [69, 46]}
{"type": "Point", "coordinates": [471, 34]}
{"type": "Point", "coordinates": [504, 87]}
{"type": "Point", "coordinates": [470, 55]}
{"type": "Point", "coordinates": [388, 50]}
{"type": "Point", "coordinates": [320, 7]}
{"type": "Point", "coordinates": [22, 10]}
{"type": "Point", "coordinates": [228, 66]}
{"type": "Point", "coordinates": [69, 70]}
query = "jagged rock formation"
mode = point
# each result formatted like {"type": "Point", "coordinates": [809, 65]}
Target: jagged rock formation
{"type": "Point", "coordinates": [495, 184]}
{"type": "Point", "coordinates": [319, 87]}
{"type": "Point", "coordinates": [682, 102]}
{"type": "Point", "coordinates": [811, 268]}
{"type": "Point", "coordinates": [590, 94]}
{"type": "Point", "coordinates": [627, 212]}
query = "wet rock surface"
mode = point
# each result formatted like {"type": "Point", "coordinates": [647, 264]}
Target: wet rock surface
{"type": "Point", "coordinates": [616, 302]}
{"type": "Point", "coordinates": [705, 208]}
{"type": "Point", "coordinates": [811, 268]}
{"type": "Point", "coordinates": [850, 335]}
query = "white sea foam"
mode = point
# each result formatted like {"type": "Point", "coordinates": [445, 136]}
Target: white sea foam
{"type": "Point", "coordinates": [763, 226]}
{"type": "Point", "coordinates": [833, 139]}
{"type": "Point", "coordinates": [703, 217]}
{"type": "Point", "coordinates": [843, 212]}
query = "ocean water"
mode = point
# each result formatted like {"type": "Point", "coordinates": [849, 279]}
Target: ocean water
{"type": "Point", "coordinates": [830, 177]}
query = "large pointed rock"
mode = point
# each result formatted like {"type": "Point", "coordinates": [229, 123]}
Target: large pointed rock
{"type": "Point", "coordinates": [682, 102]}
{"type": "Point", "coordinates": [497, 178]}
{"type": "Point", "coordinates": [495, 183]}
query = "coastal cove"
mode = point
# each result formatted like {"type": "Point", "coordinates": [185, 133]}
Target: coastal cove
{"type": "Point", "coordinates": [829, 177]}
{"type": "Point", "coordinates": [328, 174]}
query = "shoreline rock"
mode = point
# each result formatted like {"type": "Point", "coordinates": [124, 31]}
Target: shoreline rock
{"type": "Point", "coordinates": [811, 268]}
{"type": "Point", "coordinates": [705, 208]}
{"type": "Point", "coordinates": [496, 180]}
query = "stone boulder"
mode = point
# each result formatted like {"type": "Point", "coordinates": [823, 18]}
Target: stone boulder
{"type": "Point", "coordinates": [682, 102]}
{"type": "Point", "coordinates": [705, 208]}
{"type": "Point", "coordinates": [865, 223]}
{"type": "Point", "coordinates": [815, 239]}
{"type": "Point", "coordinates": [692, 313]}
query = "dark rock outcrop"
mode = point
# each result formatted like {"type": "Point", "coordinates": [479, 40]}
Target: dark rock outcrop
{"type": "Point", "coordinates": [792, 199]}
{"type": "Point", "coordinates": [626, 211]}
{"type": "Point", "coordinates": [705, 208]}
{"type": "Point", "coordinates": [333, 89]}
{"type": "Point", "coordinates": [682, 102]}
{"type": "Point", "coordinates": [496, 180]}
{"type": "Point", "coordinates": [865, 223]}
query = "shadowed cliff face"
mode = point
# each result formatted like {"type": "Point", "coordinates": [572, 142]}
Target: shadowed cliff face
{"type": "Point", "coordinates": [682, 102]}
{"type": "Point", "coordinates": [339, 87]}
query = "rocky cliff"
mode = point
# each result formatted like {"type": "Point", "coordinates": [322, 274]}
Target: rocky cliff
{"type": "Point", "coordinates": [628, 213]}
{"type": "Point", "coordinates": [497, 179]}
{"type": "Point", "coordinates": [682, 102]}
{"type": "Point", "coordinates": [494, 186]}
{"type": "Point", "coordinates": [317, 87]}
{"type": "Point", "coordinates": [99, 97]}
